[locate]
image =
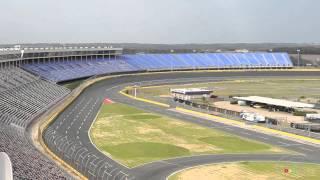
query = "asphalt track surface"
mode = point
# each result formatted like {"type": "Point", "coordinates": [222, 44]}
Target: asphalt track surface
{"type": "Point", "coordinates": [68, 135]}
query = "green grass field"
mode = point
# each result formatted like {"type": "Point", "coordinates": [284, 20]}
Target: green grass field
{"type": "Point", "coordinates": [303, 88]}
{"type": "Point", "coordinates": [251, 170]}
{"type": "Point", "coordinates": [133, 137]}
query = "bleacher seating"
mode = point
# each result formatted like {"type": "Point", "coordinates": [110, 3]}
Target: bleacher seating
{"type": "Point", "coordinates": [27, 162]}
{"type": "Point", "coordinates": [20, 104]}
{"type": "Point", "coordinates": [13, 77]}
{"type": "Point", "coordinates": [208, 60]}
{"type": "Point", "coordinates": [75, 69]}
{"type": "Point", "coordinates": [22, 97]}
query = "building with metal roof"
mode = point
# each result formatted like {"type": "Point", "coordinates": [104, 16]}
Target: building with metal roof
{"type": "Point", "coordinates": [274, 102]}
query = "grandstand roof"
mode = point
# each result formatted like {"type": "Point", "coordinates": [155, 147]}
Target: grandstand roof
{"type": "Point", "coordinates": [192, 91]}
{"type": "Point", "coordinates": [17, 54]}
{"type": "Point", "coordinates": [54, 49]}
{"type": "Point", "coordinates": [275, 102]}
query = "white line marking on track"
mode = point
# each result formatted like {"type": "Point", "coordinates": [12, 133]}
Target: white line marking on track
{"type": "Point", "coordinates": [283, 143]}
{"type": "Point", "coordinates": [306, 149]}
{"type": "Point", "coordinates": [265, 138]}
{"type": "Point", "coordinates": [245, 133]}
{"type": "Point", "coordinates": [165, 162]}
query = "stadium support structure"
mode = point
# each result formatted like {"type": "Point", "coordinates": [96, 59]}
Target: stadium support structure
{"type": "Point", "coordinates": [5, 167]}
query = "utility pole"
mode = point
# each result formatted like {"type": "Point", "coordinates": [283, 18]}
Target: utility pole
{"type": "Point", "coordinates": [298, 51]}
{"type": "Point", "coordinates": [135, 90]}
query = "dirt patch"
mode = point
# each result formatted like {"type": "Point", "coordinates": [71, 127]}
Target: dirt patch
{"type": "Point", "coordinates": [225, 171]}
{"type": "Point", "coordinates": [98, 135]}
{"type": "Point", "coordinates": [199, 147]}
{"type": "Point", "coordinates": [165, 96]}
{"type": "Point", "coordinates": [148, 130]}
{"type": "Point", "coordinates": [103, 121]}
{"type": "Point", "coordinates": [145, 130]}
{"type": "Point", "coordinates": [277, 150]}
{"type": "Point", "coordinates": [177, 123]}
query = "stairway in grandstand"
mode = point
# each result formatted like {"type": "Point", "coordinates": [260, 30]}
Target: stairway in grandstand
{"type": "Point", "coordinates": [22, 97]}
{"type": "Point", "coordinates": [74, 69]}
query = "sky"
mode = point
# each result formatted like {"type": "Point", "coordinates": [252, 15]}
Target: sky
{"type": "Point", "coordinates": [159, 21]}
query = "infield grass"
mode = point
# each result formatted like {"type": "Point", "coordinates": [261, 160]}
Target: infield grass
{"type": "Point", "coordinates": [251, 170]}
{"type": "Point", "coordinates": [292, 88]}
{"type": "Point", "coordinates": [134, 137]}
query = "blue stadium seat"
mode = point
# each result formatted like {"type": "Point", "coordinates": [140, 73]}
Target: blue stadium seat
{"type": "Point", "coordinates": [68, 70]}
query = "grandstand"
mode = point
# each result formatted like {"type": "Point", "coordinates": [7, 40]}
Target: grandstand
{"type": "Point", "coordinates": [209, 61]}
{"type": "Point", "coordinates": [24, 96]}
{"type": "Point", "coordinates": [28, 87]}
{"type": "Point", "coordinates": [62, 70]}
{"type": "Point", "coordinates": [11, 77]}
{"type": "Point", "coordinates": [27, 162]}
{"type": "Point", "coordinates": [75, 69]}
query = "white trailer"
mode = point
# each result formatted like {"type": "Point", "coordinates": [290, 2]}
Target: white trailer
{"type": "Point", "coordinates": [313, 116]}
{"type": "Point", "coordinates": [252, 117]}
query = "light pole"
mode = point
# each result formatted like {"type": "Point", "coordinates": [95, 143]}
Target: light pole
{"type": "Point", "coordinates": [298, 51]}
{"type": "Point", "coordinates": [135, 90]}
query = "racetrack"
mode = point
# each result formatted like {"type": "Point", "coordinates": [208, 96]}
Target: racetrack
{"type": "Point", "coordinates": [68, 135]}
